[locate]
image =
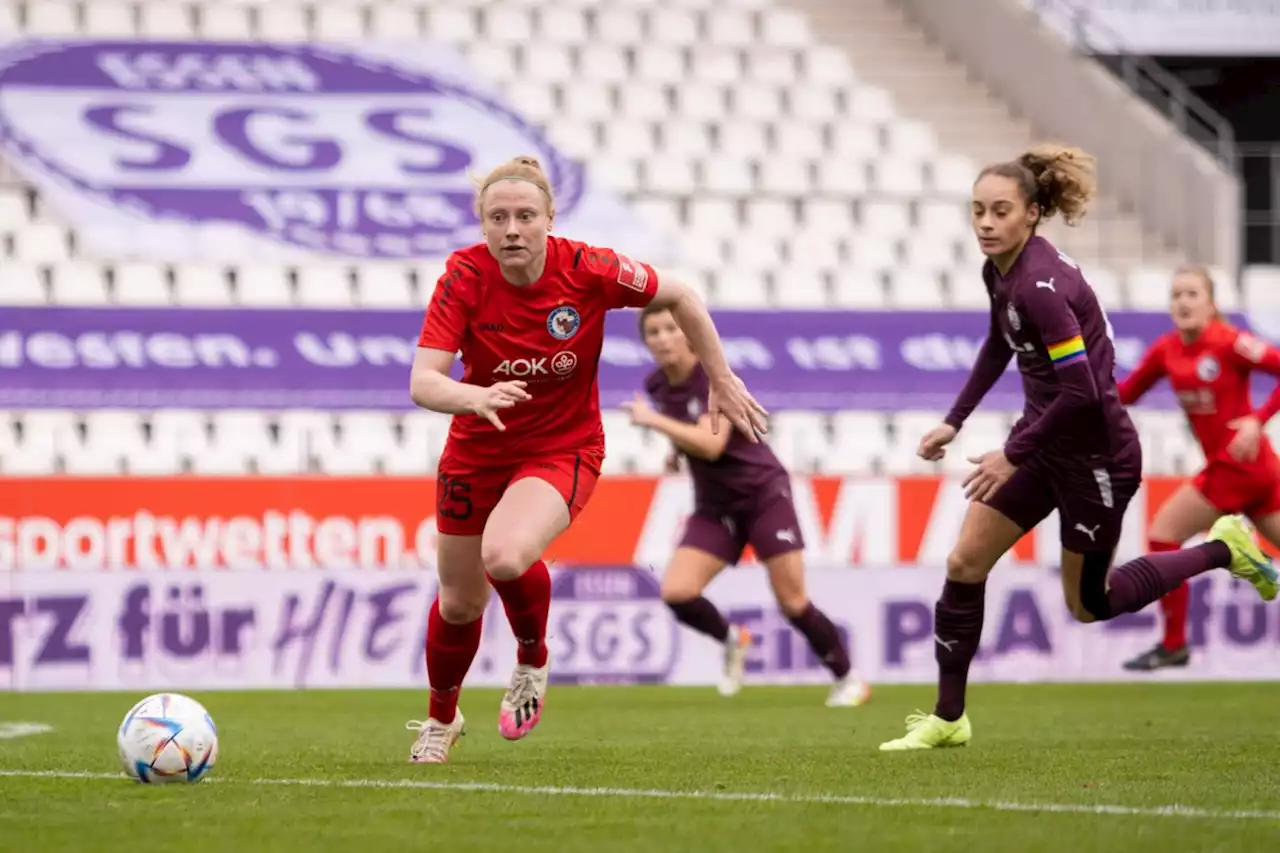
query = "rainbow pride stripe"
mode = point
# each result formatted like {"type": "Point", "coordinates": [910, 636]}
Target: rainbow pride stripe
{"type": "Point", "coordinates": [1067, 352]}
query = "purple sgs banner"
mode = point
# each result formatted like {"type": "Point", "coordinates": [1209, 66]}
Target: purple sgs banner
{"type": "Point", "coordinates": [218, 358]}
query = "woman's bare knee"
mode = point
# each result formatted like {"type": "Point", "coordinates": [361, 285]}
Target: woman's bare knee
{"type": "Point", "coordinates": [965, 567]}
{"type": "Point", "coordinates": [460, 611]}
{"type": "Point", "coordinates": [675, 590]}
{"type": "Point", "coordinates": [505, 558]}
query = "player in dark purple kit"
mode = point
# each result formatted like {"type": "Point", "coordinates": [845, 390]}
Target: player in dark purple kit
{"type": "Point", "coordinates": [1074, 449]}
{"type": "Point", "coordinates": [742, 495]}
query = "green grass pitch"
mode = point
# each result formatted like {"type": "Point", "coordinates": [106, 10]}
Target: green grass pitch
{"type": "Point", "coordinates": [1158, 768]}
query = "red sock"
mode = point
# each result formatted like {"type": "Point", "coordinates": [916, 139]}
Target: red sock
{"type": "Point", "coordinates": [450, 650]}
{"type": "Point", "coordinates": [527, 600]}
{"type": "Point", "coordinates": [1174, 605]}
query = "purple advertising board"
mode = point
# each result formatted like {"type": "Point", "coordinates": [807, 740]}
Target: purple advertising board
{"type": "Point", "coordinates": [219, 358]}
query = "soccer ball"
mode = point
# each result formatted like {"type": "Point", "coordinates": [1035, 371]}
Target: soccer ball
{"type": "Point", "coordinates": [168, 737]}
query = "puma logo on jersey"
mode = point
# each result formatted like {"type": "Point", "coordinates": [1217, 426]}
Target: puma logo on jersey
{"type": "Point", "coordinates": [1047, 285]}
{"type": "Point", "coordinates": [949, 645]}
{"type": "Point", "coordinates": [1092, 532]}
{"type": "Point", "coordinates": [788, 536]}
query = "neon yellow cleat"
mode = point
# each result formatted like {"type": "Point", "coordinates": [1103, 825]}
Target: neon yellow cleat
{"type": "Point", "coordinates": [926, 731]}
{"type": "Point", "coordinates": [1248, 562]}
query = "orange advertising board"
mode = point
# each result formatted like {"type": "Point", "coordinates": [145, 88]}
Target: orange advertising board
{"type": "Point", "coordinates": [316, 522]}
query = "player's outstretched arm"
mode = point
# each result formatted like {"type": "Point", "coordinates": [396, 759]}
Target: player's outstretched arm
{"type": "Point", "coordinates": [695, 439]}
{"type": "Point", "coordinates": [729, 396]}
{"type": "Point", "coordinates": [1149, 371]}
{"type": "Point", "coordinates": [431, 387]}
{"type": "Point", "coordinates": [988, 367]}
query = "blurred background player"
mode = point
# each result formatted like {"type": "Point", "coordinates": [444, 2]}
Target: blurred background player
{"type": "Point", "coordinates": [526, 442]}
{"type": "Point", "coordinates": [1208, 364]}
{"type": "Point", "coordinates": [742, 494]}
{"type": "Point", "coordinates": [1074, 450]}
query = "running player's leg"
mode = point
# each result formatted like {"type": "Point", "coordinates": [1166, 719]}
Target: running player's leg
{"type": "Point", "coordinates": [1092, 518]}
{"type": "Point", "coordinates": [710, 542]}
{"type": "Point", "coordinates": [774, 531]}
{"type": "Point", "coordinates": [1186, 513]}
{"type": "Point", "coordinates": [463, 502]}
{"type": "Point", "coordinates": [539, 503]}
{"type": "Point", "coordinates": [988, 532]}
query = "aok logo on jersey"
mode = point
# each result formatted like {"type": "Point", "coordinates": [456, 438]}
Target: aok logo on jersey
{"type": "Point", "coordinates": [561, 364]}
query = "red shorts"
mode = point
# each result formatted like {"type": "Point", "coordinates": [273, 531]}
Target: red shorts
{"type": "Point", "coordinates": [465, 495]}
{"type": "Point", "coordinates": [1253, 490]}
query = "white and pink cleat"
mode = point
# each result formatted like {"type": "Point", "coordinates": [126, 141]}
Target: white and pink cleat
{"type": "Point", "coordinates": [522, 705]}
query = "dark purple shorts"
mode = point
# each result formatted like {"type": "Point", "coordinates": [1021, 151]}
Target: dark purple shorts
{"type": "Point", "coordinates": [771, 528]}
{"type": "Point", "coordinates": [1090, 495]}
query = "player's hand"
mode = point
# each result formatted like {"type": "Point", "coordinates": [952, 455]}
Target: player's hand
{"type": "Point", "coordinates": [501, 395]}
{"type": "Point", "coordinates": [931, 446]}
{"type": "Point", "coordinates": [640, 411]}
{"type": "Point", "coordinates": [993, 471]}
{"type": "Point", "coordinates": [1247, 440]}
{"type": "Point", "coordinates": [729, 397]}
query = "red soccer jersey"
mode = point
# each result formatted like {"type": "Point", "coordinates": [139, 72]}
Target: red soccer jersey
{"type": "Point", "coordinates": [1210, 375]}
{"type": "Point", "coordinates": [548, 334]}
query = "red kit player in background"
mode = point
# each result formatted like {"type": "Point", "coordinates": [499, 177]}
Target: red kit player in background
{"type": "Point", "coordinates": [526, 310]}
{"type": "Point", "coordinates": [1208, 363]}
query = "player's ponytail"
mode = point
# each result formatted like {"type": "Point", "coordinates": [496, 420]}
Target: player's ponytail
{"type": "Point", "coordinates": [1066, 180]}
{"type": "Point", "coordinates": [1057, 178]}
{"type": "Point", "coordinates": [523, 168]}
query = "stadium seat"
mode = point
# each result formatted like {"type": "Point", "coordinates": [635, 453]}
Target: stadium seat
{"type": "Point", "coordinates": [325, 286]}
{"type": "Point", "coordinates": [196, 286]}
{"type": "Point", "coordinates": [1260, 288]}
{"type": "Point", "coordinates": [384, 285]}
{"type": "Point", "coordinates": [395, 21]}
{"type": "Point", "coordinates": [228, 21]}
{"type": "Point", "coordinates": [800, 439]}
{"type": "Point", "coordinates": [1148, 288]}
{"type": "Point", "coordinates": [21, 284]}
{"type": "Point", "coordinates": [41, 243]}
{"type": "Point", "coordinates": [632, 450]}
{"type": "Point", "coordinates": [282, 20]}
{"type": "Point", "coordinates": [336, 22]}
{"type": "Point", "coordinates": [51, 18]}
{"type": "Point", "coordinates": [78, 283]}
{"type": "Point", "coordinates": [162, 19]}
{"type": "Point", "coordinates": [263, 286]}
{"type": "Point", "coordinates": [141, 284]}
{"type": "Point", "coordinates": [860, 444]}
{"type": "Point", "coordinates": [916, 290]}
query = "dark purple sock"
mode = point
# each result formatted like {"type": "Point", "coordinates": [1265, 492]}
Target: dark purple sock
{"type": "Point", "coordinates": [702, 616]}
{"type": "Point", "coordinates": [823, 638]}
{"type": "Point", "coordinates": [957, 630]}
{"type": "Point", "coordinates": [1139, 582]}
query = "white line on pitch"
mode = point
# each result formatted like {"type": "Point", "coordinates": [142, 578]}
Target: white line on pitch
{"type": "Point", "coordinates": [713, 796]}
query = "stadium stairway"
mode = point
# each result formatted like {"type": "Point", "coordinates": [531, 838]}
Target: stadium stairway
{"type": "Point", "coordinates": [892, 52]}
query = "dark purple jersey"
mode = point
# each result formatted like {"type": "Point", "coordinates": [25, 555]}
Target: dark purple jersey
{"type": "Point", "coordinates": [743, 474]}
{"type": "Point", "coordinates": [1045, 313]}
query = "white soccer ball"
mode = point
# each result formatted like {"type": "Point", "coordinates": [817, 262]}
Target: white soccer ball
{"type": "Point", "coordinates": [168, 737]}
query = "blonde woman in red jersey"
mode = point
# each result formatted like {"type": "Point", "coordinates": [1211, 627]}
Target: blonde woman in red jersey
{"type": "Point", "coordinates": [526, 310]}
{"type": "Point", "coordinates": [1208, 363]}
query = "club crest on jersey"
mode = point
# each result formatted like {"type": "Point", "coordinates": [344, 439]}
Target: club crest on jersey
{"type": "Point", "coordinates": [1015, 322]}
{"type": "Point", "coordinates": [1208, 369]}
{"type": "Point", "coordinates": [563, 322]}
{"type": "Point", "coordinates": [694, 408]}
